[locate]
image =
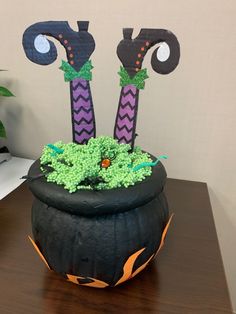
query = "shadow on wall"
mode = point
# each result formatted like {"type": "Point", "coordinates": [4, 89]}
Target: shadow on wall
{"type": "Point", "coordinates": [225, 225]}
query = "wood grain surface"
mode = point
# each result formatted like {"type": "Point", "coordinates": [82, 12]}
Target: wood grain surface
{"type": "Point", "coordinates": [187, 276]}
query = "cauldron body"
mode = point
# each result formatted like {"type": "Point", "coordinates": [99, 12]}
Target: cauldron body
{"type": "Point", "coordinates": [92, 235]}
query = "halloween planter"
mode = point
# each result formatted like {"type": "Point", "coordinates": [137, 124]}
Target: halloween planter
{"type": "Point", "coordinates": [100, 214]}
{"type": "Point", "coordinates": [99, 238]}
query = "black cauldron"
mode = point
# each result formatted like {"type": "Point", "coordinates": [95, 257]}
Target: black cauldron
{"type": "Point", "coordinates": [99, 238]}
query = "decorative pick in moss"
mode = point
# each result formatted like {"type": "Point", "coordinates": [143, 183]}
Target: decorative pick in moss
{"type": "Point", "coordinates": [149, 164]}
{"type": "Point", "coordinates": [131, 52]}
{"type": "Point", "coordinates": [77, 71]}
{"type": "Point", "coordinates": [55, 149]}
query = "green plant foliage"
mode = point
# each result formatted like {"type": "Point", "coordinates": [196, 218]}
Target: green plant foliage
{"type": "Point", "coordinates": [5, 92]}
{"type": "Point", "coordinates": [2, 130]}
{"type": "Point", "coordinates": [78, 167]}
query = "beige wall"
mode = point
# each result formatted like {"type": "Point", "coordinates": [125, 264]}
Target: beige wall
{"type": "Point", "coordinates": [189, 115]}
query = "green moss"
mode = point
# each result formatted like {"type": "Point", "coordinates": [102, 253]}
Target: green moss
{"type": "Point", "coordinates": [79, 166]}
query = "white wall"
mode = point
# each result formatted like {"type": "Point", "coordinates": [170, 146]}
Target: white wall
{"type": "Point", "coordinates": [189, 115]}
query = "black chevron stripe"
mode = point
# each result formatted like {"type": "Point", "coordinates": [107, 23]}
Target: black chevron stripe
{"type": "Point", "coordinates": [79, 85]}
{"type": "Point", "coordinates": [127, 104]}
{"type": "Point", "coordinates": [82, 109]}
{"type": "Point", "coordinates": [127, 93]}
{"type": "Point", "coordinates": [84, 141]}
{"type": "Point", "coordinates": [124, 127]}
{"type": "Point", "coordinates": [81, 97]}
{"type": "Point", "coordinates": [83, 120]}
{"type": "Point", "coordinates": [126, 116]}
{"type": "Point", "coordinates": [125, 139]}
{"type": "Point", "coordinates": [84, 131]}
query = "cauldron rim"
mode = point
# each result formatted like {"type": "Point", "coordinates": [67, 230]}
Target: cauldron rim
{"type": "Point", "coordinates": [90, 202]}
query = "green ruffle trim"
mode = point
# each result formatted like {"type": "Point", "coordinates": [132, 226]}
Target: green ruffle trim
{"type": "Point", "coordinates": [70, 73]}
{"type": "Point", "coordinates": [138, 80]}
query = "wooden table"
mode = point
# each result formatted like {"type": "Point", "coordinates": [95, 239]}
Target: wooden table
{"type": "Point", "coordinates": [186, 277]}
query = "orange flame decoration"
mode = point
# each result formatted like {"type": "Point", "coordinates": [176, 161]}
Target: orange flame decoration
{"type": "Point", "coordinates": [39, 253]}
{"type": "Point", "coordinates": [127, 269]}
